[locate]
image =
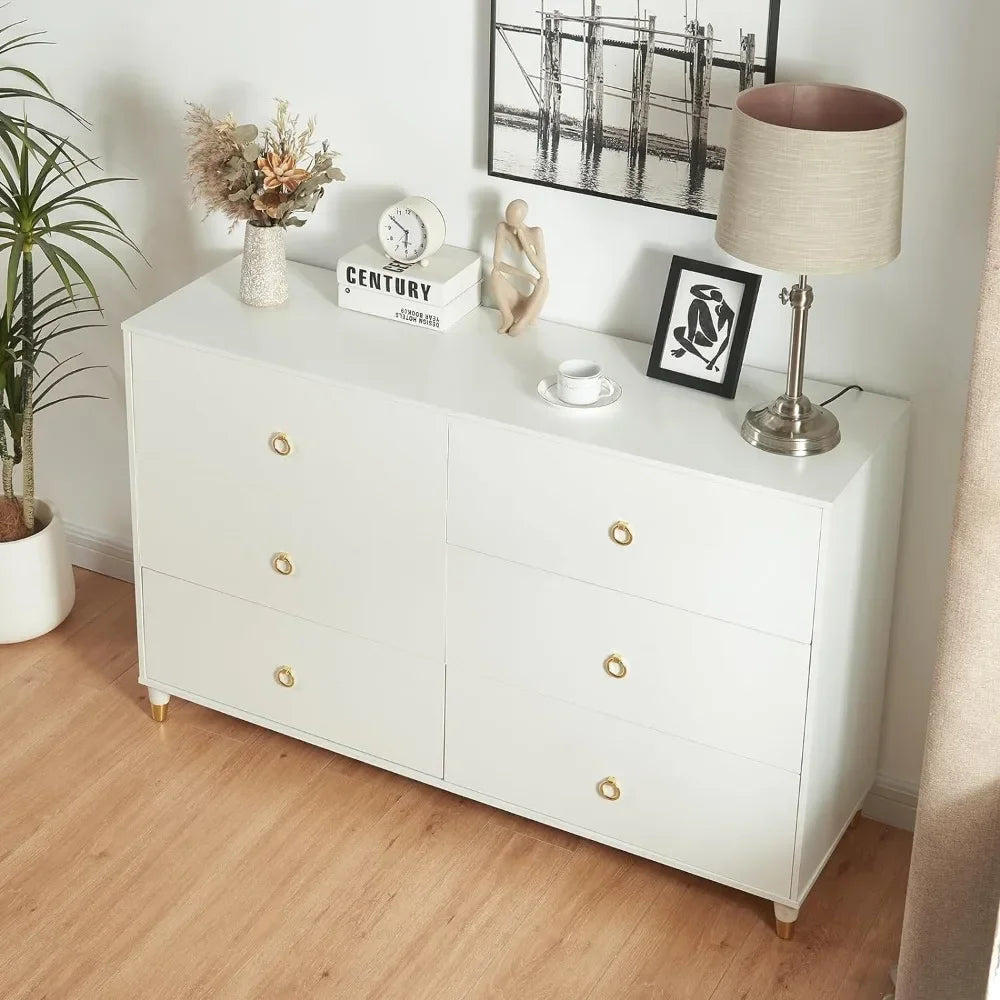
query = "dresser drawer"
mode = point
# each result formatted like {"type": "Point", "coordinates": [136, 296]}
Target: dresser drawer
{"type": "Point", "coordinates": [709, 681]}
{"type": "Point", "coordinates": [699, 808]}
{"type": "Point", "coordinates": [351, 691]}
{"type": "Point", "coordinates": [704, 545]}
{"type": "Point", "coordinates": [358, 504]}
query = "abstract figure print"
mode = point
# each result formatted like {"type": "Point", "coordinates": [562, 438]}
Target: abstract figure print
{"type": "Point", "coordinates": [709, 330]}
{"type": "Point", "coordinates": [702, 325]}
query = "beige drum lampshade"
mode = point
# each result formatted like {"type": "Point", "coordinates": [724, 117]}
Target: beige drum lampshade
{"type": "Point", "coordinates": [814, 179]}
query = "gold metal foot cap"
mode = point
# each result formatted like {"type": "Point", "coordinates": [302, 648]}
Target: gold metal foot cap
{"type": "Point", "coordinates": [159, 712]}
{"type": "Point", "coordinates": [785, 931]}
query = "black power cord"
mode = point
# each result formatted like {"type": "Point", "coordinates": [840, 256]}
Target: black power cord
{"type": "Point", "coordinates": [847, 388]}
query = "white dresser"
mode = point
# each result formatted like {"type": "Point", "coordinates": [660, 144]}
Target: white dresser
{"type": "Point", "coordinates": [625, 623]}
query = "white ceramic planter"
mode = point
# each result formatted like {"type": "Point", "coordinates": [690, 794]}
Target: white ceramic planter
{"type": "Point", "coordinates": [36, 580]}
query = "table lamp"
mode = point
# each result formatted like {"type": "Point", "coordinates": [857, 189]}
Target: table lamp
{"type": "Point", "coordinates": [813, 184]}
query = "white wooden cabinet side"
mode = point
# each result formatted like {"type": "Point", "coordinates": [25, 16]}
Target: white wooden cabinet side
{"type": "Point", "coordinates": [134, 500]}
{"type": "Point", "coordinates": [857, 571]}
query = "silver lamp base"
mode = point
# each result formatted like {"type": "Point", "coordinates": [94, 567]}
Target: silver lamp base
{"type": "Point", "coordinates": [793, 427]}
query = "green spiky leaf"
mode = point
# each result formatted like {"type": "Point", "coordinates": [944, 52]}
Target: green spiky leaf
{"type": "Point", "coordinates": [49, 214]}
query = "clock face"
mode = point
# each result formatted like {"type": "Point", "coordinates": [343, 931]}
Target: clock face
{"type": "Point", "coordinates": [403, 234]}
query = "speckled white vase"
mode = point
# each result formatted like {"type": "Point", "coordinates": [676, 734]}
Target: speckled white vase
{"type": "Point", "coordinates": [36, 580]}
{"type": "Point", "coordinates": [264, 278]}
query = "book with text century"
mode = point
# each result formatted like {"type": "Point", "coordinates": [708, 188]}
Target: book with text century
{"type": "Point", "coordinates": [433, 296]}
{"type": "Point", "coordinates": [451, 272]}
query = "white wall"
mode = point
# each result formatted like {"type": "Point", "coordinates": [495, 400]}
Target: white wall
{"type": "Point", "coordinates": [400, 87]}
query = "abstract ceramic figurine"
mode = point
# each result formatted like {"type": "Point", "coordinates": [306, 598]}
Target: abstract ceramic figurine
{"type": "Point", "coordinates": [519, 294]}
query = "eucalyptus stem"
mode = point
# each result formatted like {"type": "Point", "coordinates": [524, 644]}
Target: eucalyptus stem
{"type": "Point", "coordinates": [28, 384]}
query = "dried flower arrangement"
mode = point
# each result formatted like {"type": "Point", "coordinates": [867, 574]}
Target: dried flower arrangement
{"type": "Point", "coordinates": [267, 178]}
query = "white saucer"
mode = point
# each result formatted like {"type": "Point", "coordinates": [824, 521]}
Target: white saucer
{"type": "Point", "coordinates": [610, 393]}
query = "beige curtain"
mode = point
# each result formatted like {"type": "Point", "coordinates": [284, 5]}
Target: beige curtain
{"type": "Point", "coordinates": [993, 992]}
{"type": "Point", "coordinates": [952, 900]}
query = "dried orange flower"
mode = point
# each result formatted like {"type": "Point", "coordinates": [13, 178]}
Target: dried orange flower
{"type": "Point", "coordinates": [280, 172]}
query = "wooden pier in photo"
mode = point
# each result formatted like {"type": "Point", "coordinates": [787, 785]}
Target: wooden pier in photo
{"type": "Point", "coordinates": [701, 42]}
{"type": "Point", "coordinates": [597, 31]}
{"type": "Point", "coordinates": [593, 73]}
{"type": "Point", "coordinates": [550, 110]}
{"type": "Point", "coordinates": [642, 84]}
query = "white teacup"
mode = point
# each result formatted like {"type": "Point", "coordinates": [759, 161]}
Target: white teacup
{"type": "Point", "coordinates": [579, 382]}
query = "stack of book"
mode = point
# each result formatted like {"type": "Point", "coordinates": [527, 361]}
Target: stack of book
{"type": "Point", "coordinates": [434, 296]}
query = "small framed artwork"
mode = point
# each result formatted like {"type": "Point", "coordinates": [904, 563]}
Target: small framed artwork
{"type": "Point", "coordinates": [704, 324]}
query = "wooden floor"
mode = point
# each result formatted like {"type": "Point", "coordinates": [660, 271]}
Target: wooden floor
{"type": "Point", "coordinates": [206, 858]}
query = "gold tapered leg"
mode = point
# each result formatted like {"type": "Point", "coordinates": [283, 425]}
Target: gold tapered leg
{"type": "Point", "coordinates": [159, 712]}
{"type": "Point", "coordinates": [856, 819]}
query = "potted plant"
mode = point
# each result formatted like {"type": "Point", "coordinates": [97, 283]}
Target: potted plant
{"type": "Point", "coordinates": [267, 178]}
{"type": "Point", "coordinates": [48, 214]}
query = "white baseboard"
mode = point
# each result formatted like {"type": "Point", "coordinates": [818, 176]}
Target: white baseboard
{"type": "Point", "coordinates": [100, 553]}
{"type": "Point", "coordinates": [892, 802]}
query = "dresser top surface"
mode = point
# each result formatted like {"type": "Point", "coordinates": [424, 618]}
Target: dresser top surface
{"type": "Point", "coordinates": [472, 370]}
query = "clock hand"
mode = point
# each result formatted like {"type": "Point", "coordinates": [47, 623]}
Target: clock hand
{"type": "Point", "coordinates": [393, 219]}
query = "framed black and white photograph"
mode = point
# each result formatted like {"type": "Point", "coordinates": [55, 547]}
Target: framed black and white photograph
{"type": "Point", "coordinates": [624, 100]}
{"type": "Point", "coordinates": [704, 325]}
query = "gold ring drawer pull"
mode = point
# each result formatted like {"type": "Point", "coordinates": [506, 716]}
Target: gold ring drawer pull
{"type": "Point", "coordinates": [609, 789]}
{"type": "Point", "coordinates": [621, 533]}
{"type": "Point", "coordinates": [282, 563]}
{"type": "Point", "coordinates": [615, 666]}
{"type": "Point", "coordinates": [280, 444]}
{"type": "Point", "coordinates": [285, 676]}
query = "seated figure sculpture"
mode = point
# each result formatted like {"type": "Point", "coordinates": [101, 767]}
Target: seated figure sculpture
{"type": "Point", "coordinates": [519, 294]}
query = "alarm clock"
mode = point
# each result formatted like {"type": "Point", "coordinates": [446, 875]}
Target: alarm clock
{"type": "Point", "coordinates": [411, 231]}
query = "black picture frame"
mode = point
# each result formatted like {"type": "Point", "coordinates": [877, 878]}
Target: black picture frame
{"type": "Point", "coordinates": [686, 205]}
{"type": "Point", "coordinates": [693, 345]}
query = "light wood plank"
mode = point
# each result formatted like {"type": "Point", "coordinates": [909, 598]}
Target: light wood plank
{"type": "Point", "coordinates": [583, 920]}
{"type": "Point", "coordinates": [387, 885]}
{"type": "Point", "coordinates": [192, 814]}
{"type": "Point", "coordinates": [834, 923]}
{"type": "Point", "coordinates": [59, 738]}
{"type": "Point", "coordinates": [94, 595]}
{"type": "Point", "coordinates": [207, 857]}
{"type": "Point", "coordinates": [685, 943]}
{"type": "Point", "coordinates": [100, 652]}
{"type": "Point", "coordinates": [413, 929]}
{"type": "Point", "coordinates": [868, 975]}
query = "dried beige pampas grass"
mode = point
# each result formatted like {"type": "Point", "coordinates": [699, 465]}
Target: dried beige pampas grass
{"type": "Point", "coordinates": [216, 165]}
